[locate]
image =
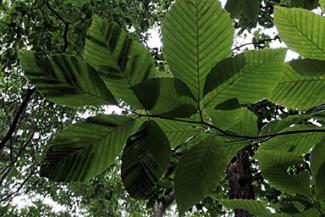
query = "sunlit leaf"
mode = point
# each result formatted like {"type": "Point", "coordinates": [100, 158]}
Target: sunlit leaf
{"type": "Point", "coordinates": [302, 84]}
{"type": "Point", "coordinates": [301, 30]}
{"type": "Point", "coordinates": [196, 36]}
{"type": "Point", "coordinates": [198, 172]}
{"type": "Point", "coordinates": [249, 77]}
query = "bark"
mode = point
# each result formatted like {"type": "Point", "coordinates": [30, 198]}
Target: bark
{"type": "Point", "coordinates": [240, 179]}
{"type": "Point", "coordinates": [160, 206]}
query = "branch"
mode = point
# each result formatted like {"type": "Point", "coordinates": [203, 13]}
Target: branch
{"type": "Point", "coordinates": [21, 185]}
{"type": "Point", "coordinates": [64, 21]}
{"type": "Point", "coordinates": [257, 42]}
{"type": "Point", "coordinates": [232, 134]}
{"type": "Point", "coordinates": [17, 117]}
{"type": "Point", "coordinates": [160, 206]}
{"type": "Point", "coordinates": [46, 2]}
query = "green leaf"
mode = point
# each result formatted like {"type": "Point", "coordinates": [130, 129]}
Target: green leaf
{"type": "Point", "coordinates": [307, 4]}
{"type": "Point", "coordinates": [145, 158]}
{"type": "Point", "coordinates": [257, 208]}
{"type": "Point", "coordinates": [199, 172]}
{"type": "Point", "coordinates": [65, 80]}
{"type": "Point", "coordinates": [197, 34]}
{"type": "Point", "coordinates": [177, 132]}
{"type": "Point", "coordinates": [121, 61]}
{"type": "Point", "coordinates": [302, 85]}
{"type": "Point", "coordinates": [248, 8]}
{"type": "Point", "coordinates": [295, 205]}
{"type": "Point", "coordinates": [229, 104]}
{"type": "Point", "coordinates": [280, 125]}
{"type": "Point", "coordinates": [322, 4]}
{"type": "Point", "coordinates": [274, 166]}
{"type": "Point", "coordinates": [241, 121]}
{"type": "Point", "coordinates": [295, 143]}
{"type": "Point", "coordinates": [312, 212]}
{"type": "Point", "coordinates": [232, 147]}
{"type": "Point", "coordinates": [301, 30]}
{"type": "Point", "coordinates": [85, 149]}
{"type": "Point", "coordinates": [317, 165]}
{"type": "Point", "coordinates": [249, 77]}
{"type": "Point", "coordinates": [166, 96]}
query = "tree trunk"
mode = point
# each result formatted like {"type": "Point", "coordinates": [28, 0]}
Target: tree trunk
{"type": "Point", "coordinates": [160, 206]}
{"type": "Point", "coordinates": [241, 179]}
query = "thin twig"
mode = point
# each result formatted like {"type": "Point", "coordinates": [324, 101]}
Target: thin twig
{"type": "Point", "coordinates": [256, 42]}
{"type": "Point", "coordinates": [64, 21]}
{"type": "Point", "coordinates": [232, 134]}
{"type": "Point", "coordinates": [17, 117]}
{"type": "Point", "coordinates": [21, 185]}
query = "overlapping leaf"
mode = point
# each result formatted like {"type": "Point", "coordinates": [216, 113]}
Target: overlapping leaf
{"type": "Point", "coordinates": [257, 208]}
{"type": "Point", "coordinates": [274, 166]}
{"type": "Point", "coordinates": [302, 30]}
{"type": "Point", "coordinates": [84, 150]}
{"type": "Point", "coordinates": [249, 77]}
{"type": "Point", "coordinates": [280, 125]}
{"type": "Point", "coordinates": [144, 160]}
{"type": "Point", "coordinates": [307, 4]}
{"type": "Point", "coordinates": [240, 121]}
{"type": "Point", "coordinates": [248, 8]}
{"type": "Point", "coordinates": [196, 35]}
{"type": "Point", "coordinates": [322, 3]}
{"type": "Point", "coordinates": [298, 144]}
{"type": "Point", "coordinates": [317, 164]}
{"type": "Point", "coordinates": [302, 85]}
{"type": "Point", "coordinates": [198, 172]}
{"type": "Point", "coordinates": [166, 96]}
{"type": "Point", "coordinates": [177, 132]}
{"type": "Point", "coordinates": [65, 80]}
{"type": "Point", "coordinates": [121, 61]}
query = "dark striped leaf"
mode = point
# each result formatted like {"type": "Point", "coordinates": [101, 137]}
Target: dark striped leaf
{"type": "Point", "coordinates": [166, 96]}
{"type": "Point", "coordinates": [307, 4]}
{"type": "Point", "coordinates": [197, 34]}
{"type": "Point", "coordinates": [65, 80]}
{"type": "Point", "coordinates": [274, 166]}
{"type": "Point", "coordinates": [247, 8]}
{"type": "Point", "coordinates": [199, 172]}
{"type": "Point", "coordinates": [145, 158]}
{"type": "Point", "coordinates": [249, 77]}
{"type": "Point", "coordinates": [121, 61]}
{"type": "Point", "coordinates": [317, 165]}
{"type": "Point", "coordinates": [302, 84]}
{"type": "Point", "coordinates": [85, 149]}
{"type": "Point", "coordinates": [301, 30]}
